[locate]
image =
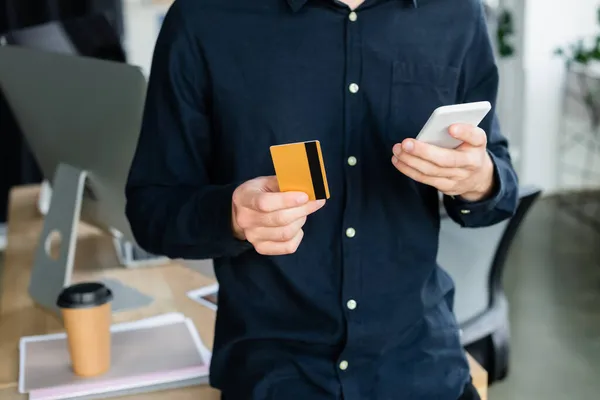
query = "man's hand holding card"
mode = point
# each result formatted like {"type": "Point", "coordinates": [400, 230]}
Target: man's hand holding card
{"type": "Point", "coordinates": [269, 212]}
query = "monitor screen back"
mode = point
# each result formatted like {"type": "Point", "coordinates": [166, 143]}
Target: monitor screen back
{"type": "Point", "coordinates": [83, 112]}
{"type": "Point", "coordinates": [90, 36]}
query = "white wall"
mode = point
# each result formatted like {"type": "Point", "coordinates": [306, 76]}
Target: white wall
{"type": "Point", "coordinates": [510, 94]}
{"type": "Point", "coordinates": [141, 29]}
{"type": "Point", "coordinates": [548, 24]}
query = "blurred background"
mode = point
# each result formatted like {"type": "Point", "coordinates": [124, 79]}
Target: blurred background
{"type": "Point", "coordinates": [546, 265]}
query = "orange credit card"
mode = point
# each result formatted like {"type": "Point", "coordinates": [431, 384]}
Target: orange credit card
{"type": "Point", "coordinates": [299, 168]}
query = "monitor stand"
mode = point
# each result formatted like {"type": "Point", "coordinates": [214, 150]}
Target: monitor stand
{"type": "Point", "coordinates": [52, 272]}
{"type": "Point", "coordinates": [129, 254]}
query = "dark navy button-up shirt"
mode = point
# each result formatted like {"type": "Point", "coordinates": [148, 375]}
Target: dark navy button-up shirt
{"type": "Point", "coordinates": [361, 310]}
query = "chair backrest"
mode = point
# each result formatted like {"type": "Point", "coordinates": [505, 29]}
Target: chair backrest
{"type": "Point", "coordinates": [475, 258]}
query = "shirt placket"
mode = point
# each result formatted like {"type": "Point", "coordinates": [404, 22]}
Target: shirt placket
{"type": "Point", "coordinates": [350, 229]}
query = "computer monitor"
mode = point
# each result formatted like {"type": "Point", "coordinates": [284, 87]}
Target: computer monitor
{"type": "Point", "coordinates": [81, 117]}
{"type": "Point", "coordinates": [92, 35]}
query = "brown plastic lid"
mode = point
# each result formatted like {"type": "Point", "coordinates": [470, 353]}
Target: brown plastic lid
{"type": "Point", "coordinates": [84, 295]}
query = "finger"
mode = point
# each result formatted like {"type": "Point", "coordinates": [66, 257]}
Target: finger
{"type": "Point", "coordinates": [470, 134]}
{"type": "Point", "coordinates": [276, 234]}
{"type": "Point", "coordinates": [250, 219]}
{"type": "Point", "coordinates": [267, 202]}
{"type": "Point", "coordinates": [447, 158]}
{"type": "Point", "coordinates": [442, 184]}
{"type": "Point", "coordinates": [429, 168]}
{"type": "Point", "coordinates": [287, 216]}
{"type": "Point", "coordinates": [280, 248]}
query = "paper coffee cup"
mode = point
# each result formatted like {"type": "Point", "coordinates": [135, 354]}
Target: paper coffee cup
{"type": "Point", "coordinates": [87, 316]}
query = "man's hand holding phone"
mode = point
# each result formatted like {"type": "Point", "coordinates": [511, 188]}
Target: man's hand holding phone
{"type": "Point", "coordinates": [465, 171]}
{"type": "Point", "coordinates": [269, 219]}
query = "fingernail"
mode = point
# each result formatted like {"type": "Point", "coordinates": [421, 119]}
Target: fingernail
{"type": "Point", "coordinates": [394, 160]}
{"type": "Point", "coordinates": [397, 149]}
{"type": "Point", "coordinates": [302, 198]}
{"type": "Point", "coordinates": [408, 146]}
{"type": "Point", "coordinates": [321, 202]}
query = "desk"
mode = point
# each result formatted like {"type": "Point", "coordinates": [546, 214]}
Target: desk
{"type": "Point", "coordinates": [95, 257]}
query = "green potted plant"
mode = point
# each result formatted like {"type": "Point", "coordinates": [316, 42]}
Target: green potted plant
{"type": "Point", "coordinates": [504, 31]}
{"type": "Point", "coordinates": [582, 51]}
{"type": "Point", "coordinates": [582, 59]}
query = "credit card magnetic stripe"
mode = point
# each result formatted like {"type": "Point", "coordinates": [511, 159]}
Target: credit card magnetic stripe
{"type": "Point", "coordinates": [315, 165]}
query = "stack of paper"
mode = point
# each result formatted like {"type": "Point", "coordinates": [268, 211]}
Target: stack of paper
{"type": "Point", "coordinates": [158, 353]}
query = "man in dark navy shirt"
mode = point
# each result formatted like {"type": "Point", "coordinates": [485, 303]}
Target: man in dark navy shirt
{"type": "Point", "coordinates": [342, 300]}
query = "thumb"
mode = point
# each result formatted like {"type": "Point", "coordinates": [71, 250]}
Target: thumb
{"type": "Point", "coordinates": [469, 134]}
{"type": "Point", "coordinates": [265, 196]}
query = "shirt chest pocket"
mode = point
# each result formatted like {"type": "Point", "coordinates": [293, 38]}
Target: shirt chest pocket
{"type": "Point", "coordinates": [417, 90]}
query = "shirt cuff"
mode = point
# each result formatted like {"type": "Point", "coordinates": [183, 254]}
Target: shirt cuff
{"type": "Point", "coordinates": [204, 227]}
{"type": "Point", "coordinates": [218, 210]}
{"type": "Point", "coordinates": [470, 211]}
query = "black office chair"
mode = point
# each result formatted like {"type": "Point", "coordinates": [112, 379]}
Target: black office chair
{"type": "Point", "coordinates": [475, 259]}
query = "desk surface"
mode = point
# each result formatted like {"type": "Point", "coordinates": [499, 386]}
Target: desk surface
{"type": "Point", "coordinates": [95, 257]}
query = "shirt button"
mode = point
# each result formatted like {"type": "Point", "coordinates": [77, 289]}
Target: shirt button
{"type": "Point", "coordinates": [353, 16]}
{"type": "Point", "coordinates": [353, 88]}
{"type": "Point", "coordinates": [351, 304]}
{"type": "Point", "coordinates": [352, 161]}
{"type": "Point", "coordinates": [350, 232]}
{"type": "Point", "coordinates": [465, 212]}
{"type": "Point", "coordinates": [344, 365]}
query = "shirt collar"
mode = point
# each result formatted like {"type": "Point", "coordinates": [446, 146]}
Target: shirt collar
{"type": "Point", "coordinates": [297, 4]}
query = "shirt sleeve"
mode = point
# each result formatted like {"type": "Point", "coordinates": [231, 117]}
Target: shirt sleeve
{"type": "Point", "coordinates": [479, 82]}
{"type": "Point", "coordinates": [172, 206]}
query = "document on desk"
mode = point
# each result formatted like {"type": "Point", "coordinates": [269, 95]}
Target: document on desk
{"type": "Point", "coordinates": [158, 353]}
{"type": "Point", "coordinates": [208, 296]}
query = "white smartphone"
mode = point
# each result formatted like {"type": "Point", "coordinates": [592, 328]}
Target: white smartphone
{"type": "Point", "coordinates": [435, 130]}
